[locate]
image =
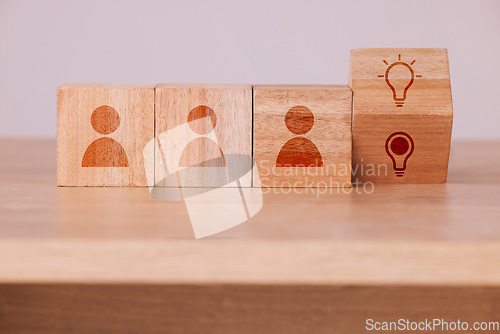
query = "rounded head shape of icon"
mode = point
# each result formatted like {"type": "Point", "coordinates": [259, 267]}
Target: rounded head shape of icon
{"type": "Point", "coordinates": [195, 119]}
{"type": "Point", "coordinates": [105, 120]}
{"type": "Point", "coordinates": [299, 120]}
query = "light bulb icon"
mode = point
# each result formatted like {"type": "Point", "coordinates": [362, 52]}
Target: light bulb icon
{"type": "Point", "coordinates": [399, 147]}
{"type": "Point", "coordinates": [399, 76]}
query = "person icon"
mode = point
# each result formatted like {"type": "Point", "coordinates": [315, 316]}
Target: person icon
{"type": "Point", "coordinates": [105, 151]}
{"type": "Point", "coordinates": [299, 151]}
{"type": "Point", "coordinates": [202, 151]}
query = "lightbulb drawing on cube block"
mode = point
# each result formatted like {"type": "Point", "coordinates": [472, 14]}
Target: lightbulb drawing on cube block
{"type": "Point", "coordinates": [399, 147]}
{"type": "Point", "coordinates": [399, 76]}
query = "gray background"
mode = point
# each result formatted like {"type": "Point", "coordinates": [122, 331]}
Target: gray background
{"type": "Point", "coordinates": [45, 43]}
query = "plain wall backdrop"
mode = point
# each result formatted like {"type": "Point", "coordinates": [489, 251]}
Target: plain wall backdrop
{"type": "Point", "coordinates": [46, 43]}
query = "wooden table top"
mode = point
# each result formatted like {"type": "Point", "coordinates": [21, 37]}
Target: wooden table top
{"type": "Point", "coordinates": [399, 234]}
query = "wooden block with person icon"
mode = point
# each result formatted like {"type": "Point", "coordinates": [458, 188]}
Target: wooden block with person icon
{"type": "Point", "coordinates": [205, 129]}
{"type": "Point", "coordinates": [302, 135]}
{"type": "Point", "coordinates": [402, 115]}
{"type": "Point", "coordinates": [101, 133]}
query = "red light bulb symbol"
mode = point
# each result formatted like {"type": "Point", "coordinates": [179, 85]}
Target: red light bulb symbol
{"type": "Point", "coordinates": [399, 147]}
{"type": "Point", "coordinates": [399, 76]}
{"type": "Point", "coordinates": [399, 92]}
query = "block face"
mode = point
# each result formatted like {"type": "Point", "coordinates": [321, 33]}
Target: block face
{"type": "Point", "coordinates": [406, 94]}
{"type": "Point", "coordinates": [302, 135]}
{"type": "Point", "coordinates": [204, 134]}
{"type": "Point", "coordinates": [101, 133]}
{"type": "Point", "coordinates": [371, 161]}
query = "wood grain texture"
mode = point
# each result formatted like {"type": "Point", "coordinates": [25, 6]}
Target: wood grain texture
{"type": "Point", "coordinates": [101, 133]}
{"type": "Point", "coordinates": [401, 90]}
{"type": "Point", "coordinates": [246, 261]}
{"type": "Point", "coordinates": [140, 308]}
{"type": "Point", "coordinates": [108, 259]}
{"type": "Point", "coordinates": [287, 155]}
{"type": "Point", "coordinates": [228, 132]}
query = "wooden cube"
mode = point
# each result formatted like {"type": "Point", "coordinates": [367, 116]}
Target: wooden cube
{"type": "Point", "coordinates": [101, 133]}
{"type": "Point", "coordinates": [302, 135]}
{"type": "Point", "coordinates": [402, 115]}
{"type": "Point", "coordinates": [207, 126]}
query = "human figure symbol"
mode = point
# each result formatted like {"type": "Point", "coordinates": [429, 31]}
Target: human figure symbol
{"type": "Point", "coordinates": [202, 151]}
{"type": "Point", "coordinates": [105, 151]}
{"type": "Point", "coordinates": [299, 151]}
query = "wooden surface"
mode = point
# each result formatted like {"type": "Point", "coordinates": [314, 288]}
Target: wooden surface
{"type": "Point", "coordinates": [280, 155]}
{"type": "Point", "coordinates": [114, 260]}
{"type": "Point", "coordinates": [96, 148]}
{"type": "Point", "coordinates": [426, 114]}
{"type": "Point", "coordinates": [228, 132]}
